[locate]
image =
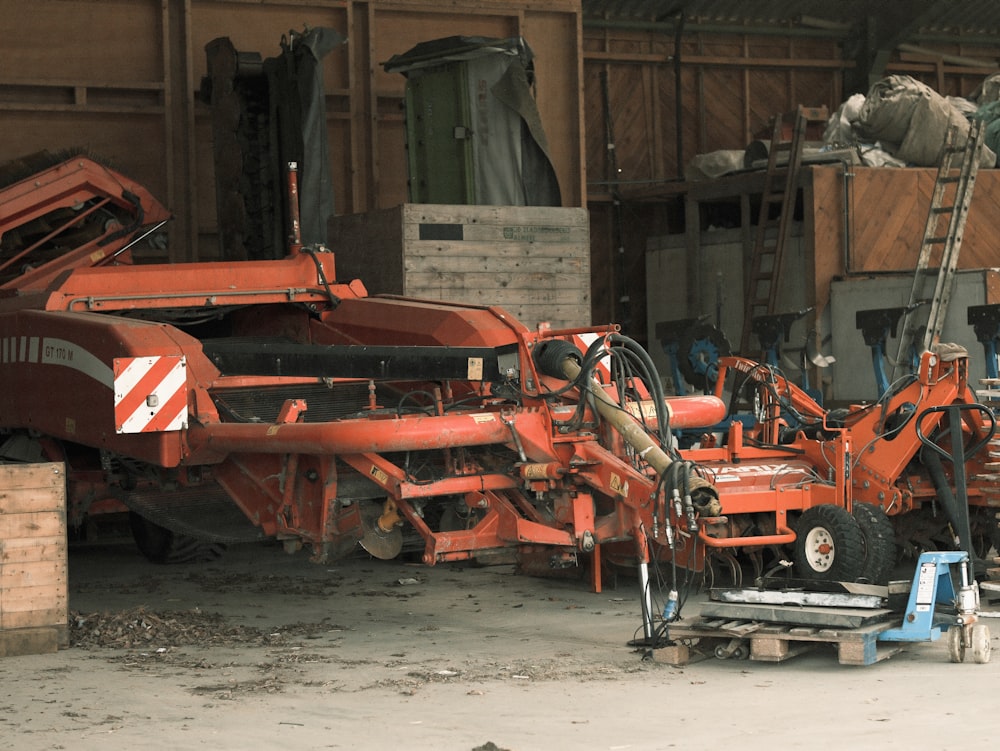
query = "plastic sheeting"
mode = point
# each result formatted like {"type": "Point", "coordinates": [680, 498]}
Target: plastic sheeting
{"type": "Point", "coordinates": [909, 120]}
{"type": "Point", "coordinates": [509, 160]}
{"type": "Point", "coordinates": [265, 114]}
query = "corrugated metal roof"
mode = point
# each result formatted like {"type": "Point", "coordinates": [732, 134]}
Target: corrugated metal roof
{"type": "Point", "coordinates": [938, 17]}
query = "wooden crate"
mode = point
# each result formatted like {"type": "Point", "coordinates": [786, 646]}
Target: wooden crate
{"type": "Point", "coordinates": [33, 567]}
{"type": "Point", "coordinates": [532, 261]}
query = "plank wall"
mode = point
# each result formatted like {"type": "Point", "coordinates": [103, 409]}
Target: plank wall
{"type": "Point", "coordinates": [871, 220]}
{"type": "Point", "coordinates": [33, 568]}
{"type": "Point", "coordinates": [533, 261]}
{"type": "Point", "coordinates": [659, 103]}
{"type": "Point", "coordinates": [120, 78]}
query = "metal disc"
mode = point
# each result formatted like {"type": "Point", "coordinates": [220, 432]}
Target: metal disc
{"type": "Point", "coordinates": [699, 350]}
{"type": "Point", "coordinates": [384, 545]}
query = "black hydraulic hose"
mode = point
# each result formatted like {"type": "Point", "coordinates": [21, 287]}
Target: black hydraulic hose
{"type": "Point", "coordinates": [653, 382]}
{"type": "Point", "coordinates": [311, 252]}
{"type": "Point", "coordinates": [935, 468]}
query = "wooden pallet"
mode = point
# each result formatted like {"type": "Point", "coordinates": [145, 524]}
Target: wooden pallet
{"type": "Point", "coordinates": [777, 642]}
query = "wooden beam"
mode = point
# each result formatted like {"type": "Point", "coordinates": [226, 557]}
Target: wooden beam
{"type": "Point", "coordinates": [647, 58]}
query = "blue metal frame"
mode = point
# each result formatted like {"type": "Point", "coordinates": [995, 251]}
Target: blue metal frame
{"type": "Point", "coordinates": [932, 586]}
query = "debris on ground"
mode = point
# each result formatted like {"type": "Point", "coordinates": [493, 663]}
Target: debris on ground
{"type": "Point", "coordinates": [142, 628]}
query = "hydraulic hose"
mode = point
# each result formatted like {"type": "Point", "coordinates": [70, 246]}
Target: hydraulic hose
{"type": "Point", "coordinates": [567, 358]}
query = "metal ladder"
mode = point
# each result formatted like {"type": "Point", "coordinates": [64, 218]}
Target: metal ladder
{"type": "Point", "coordinates": [954, 213]}
{"type": "Point", "coordinates": [780, 188]}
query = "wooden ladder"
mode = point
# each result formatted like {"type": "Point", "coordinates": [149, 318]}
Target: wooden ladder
{"type": "Point", "coordinates": [952, 206]}
{"type": "Point", "coordinates": [781, 182]}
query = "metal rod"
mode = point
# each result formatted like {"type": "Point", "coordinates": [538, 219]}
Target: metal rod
{"type": "Point", "coordinates": [647, 601]}
{"type": "Point", "coordinates": [295, 236]}
{"type": "Point", "coordinates": [139, 239]}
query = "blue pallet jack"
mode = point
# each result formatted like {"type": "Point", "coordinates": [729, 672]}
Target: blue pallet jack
{"type": "Point", "coordinates": [934, 583]}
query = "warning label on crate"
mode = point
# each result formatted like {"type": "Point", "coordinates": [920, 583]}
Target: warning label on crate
{"type": "Point", "coordinates": [535, 233]}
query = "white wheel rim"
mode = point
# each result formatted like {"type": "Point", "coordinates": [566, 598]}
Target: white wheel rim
{"type": "Point", "coordinates": [819, 549]}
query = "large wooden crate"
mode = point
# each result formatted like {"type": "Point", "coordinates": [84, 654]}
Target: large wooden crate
{"type": "Point", "coordinates": [33, 567]}
{"type": "Point", "coordinates": [532, 261]}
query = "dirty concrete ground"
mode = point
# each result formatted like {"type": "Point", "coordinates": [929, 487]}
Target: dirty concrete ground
{"type": "Point", "coordinates": [269, 651]}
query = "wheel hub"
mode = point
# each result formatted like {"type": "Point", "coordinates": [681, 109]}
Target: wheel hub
{"type": "Point", "coordinates": [820, 549]}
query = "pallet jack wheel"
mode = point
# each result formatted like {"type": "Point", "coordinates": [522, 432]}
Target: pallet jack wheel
{"type": "Point", "coordinates": [980, 643]}
{"type": "Point", "coordinates": [736, 649]}
{"type": "Point", "coordinates": [956, 643]}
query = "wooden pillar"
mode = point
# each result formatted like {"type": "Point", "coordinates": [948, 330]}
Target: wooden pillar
{"type": "Point", "coordinates": [692, 245]}
{"type": "Point", "coordinates": [179, 94]}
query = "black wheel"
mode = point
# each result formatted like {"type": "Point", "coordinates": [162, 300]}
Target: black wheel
{"type": "Point", "coordinates": [985, 531]}
{"type": "Point", "coordinates": [699, 350]}
{"type": "Point", "coordinates": [879, 539]}
{"type": "Point", "coordinates": [161, 545]}
{"type": "Point", "coordinates": [829, 545]}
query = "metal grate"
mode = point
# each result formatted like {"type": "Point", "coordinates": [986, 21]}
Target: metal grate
{"type": "Point", "coordinates": [263, 404]}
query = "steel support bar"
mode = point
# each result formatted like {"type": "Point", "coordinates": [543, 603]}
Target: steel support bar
{"type": "Point", "coordinates": [365, 435]}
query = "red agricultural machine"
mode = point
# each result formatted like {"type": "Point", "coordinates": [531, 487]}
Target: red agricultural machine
{"type": "Point", "coordinates": [261, 396]}
{"type": "Point", "coordinates": [186, 391]}
{"type": "Point", "coordinates": [226, 401]}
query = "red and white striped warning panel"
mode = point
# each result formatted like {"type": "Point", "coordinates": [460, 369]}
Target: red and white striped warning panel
{"type": "Point", "coordinates": [150, 394]}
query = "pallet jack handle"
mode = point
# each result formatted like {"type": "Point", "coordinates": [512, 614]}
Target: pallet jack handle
{"type": "Point", "coordinates": [958, 456]}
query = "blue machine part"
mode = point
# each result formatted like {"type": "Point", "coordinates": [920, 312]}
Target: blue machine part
{"type": "Point", "coordinates": [932, 586]}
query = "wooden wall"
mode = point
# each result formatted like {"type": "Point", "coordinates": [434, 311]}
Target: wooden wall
{"type": "Point", "coordinates": [868, 220]}
{"type": "Point", "coordinates": [120, 77]}
{"type": "Point", "coordinates": [670, 101]}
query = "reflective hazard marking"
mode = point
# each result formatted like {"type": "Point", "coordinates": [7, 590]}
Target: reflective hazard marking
{"type": "Point", "coordinates": [150, 394]}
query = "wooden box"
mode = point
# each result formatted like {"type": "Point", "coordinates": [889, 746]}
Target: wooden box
{"type": "Point", "coordinates": [533, 261]}
{"type": "Point", "coordinates": [33, 566]}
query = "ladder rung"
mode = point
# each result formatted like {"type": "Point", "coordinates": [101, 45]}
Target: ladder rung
{"type": "Point", "coordinates": [936, 240]}
{"type": "Point", "coordinates": [943, 210]}
{"type": "Point", "coordinates": [949, 179]}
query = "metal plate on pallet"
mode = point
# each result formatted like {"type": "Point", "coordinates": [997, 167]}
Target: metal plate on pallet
{"type": "Point", "coordinates": [806, 616]}
{"type": "Point", "coordinates": [797, 598]}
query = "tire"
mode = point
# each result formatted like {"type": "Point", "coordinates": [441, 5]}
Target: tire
{"type": "Point", "coordinates": [161, 545]}
{"type": "Point", "coordinates": [956, 644]}
{"type": "Point", "coordinates": [985, 523]}
{"type": "Point", "coordinates": [828, 545]}
{"type": "Point", "coordinates": [980, 643]}
{"type": "Point", "coordinates": [879, 539]}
